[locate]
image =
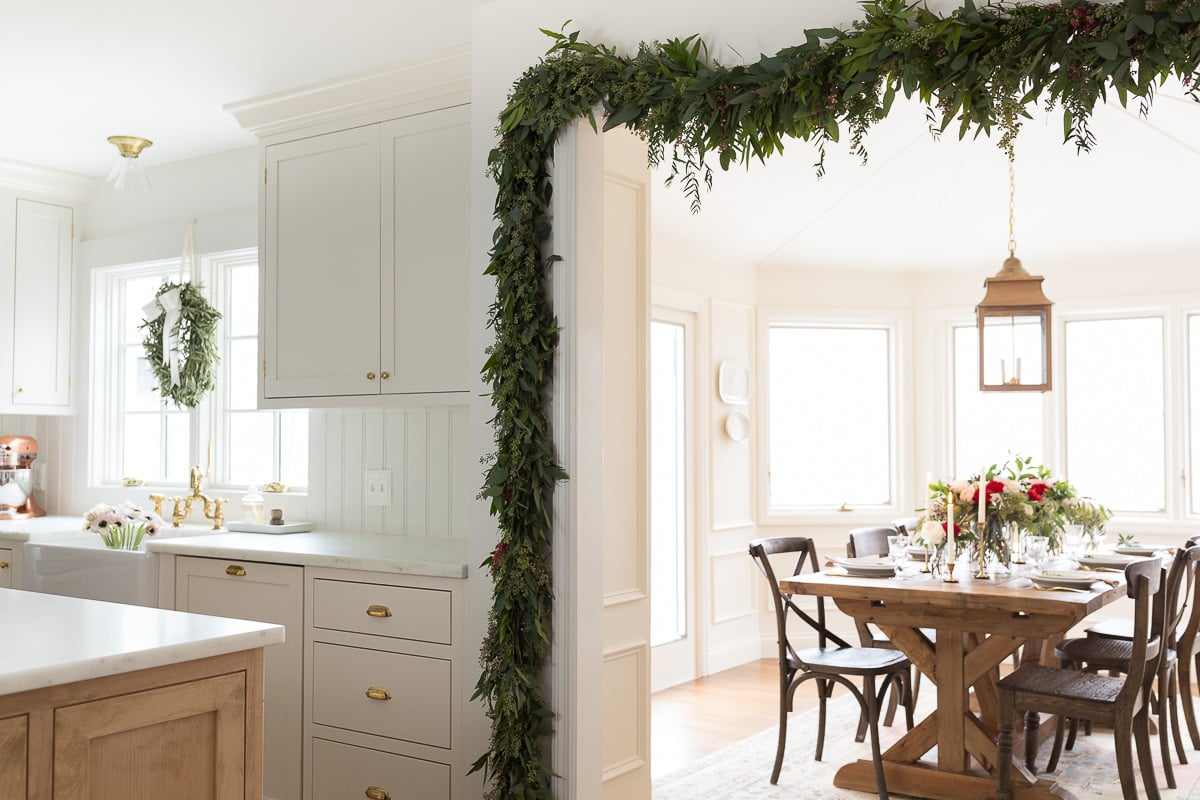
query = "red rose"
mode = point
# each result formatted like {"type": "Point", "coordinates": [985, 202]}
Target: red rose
{"type": "Point", "coordinates": [992, 488]}
{"type": "Point", "coordinates": [1037, 491]}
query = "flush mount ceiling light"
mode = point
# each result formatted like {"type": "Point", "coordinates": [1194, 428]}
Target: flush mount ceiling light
{"type": "Point", "coordinates": [127, 171]}
{"type": "Point", "coordinates": [1014, 323]}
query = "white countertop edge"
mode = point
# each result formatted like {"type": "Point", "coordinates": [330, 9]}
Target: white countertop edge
{"type": "Point", "coordinates": [53, 640]}
{"type": "Point", "coordinates": [368, 552]}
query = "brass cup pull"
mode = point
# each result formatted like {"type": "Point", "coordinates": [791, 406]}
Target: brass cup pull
{"type": "Point", "coordinates": [20, 389]}
{"type": "Point", "coordinates": [4, 565]}
{"type": "Point", "coordinates": [235, 570]}
{"type": "Point", "coordinates": [378, 611]}
{"type": "Point", "coordinates": [370, 376]}
{"type": "Point", "coordinates": [375, 793]}
{"type": "Point", "coordinates": [379, 693]}
{"type": "Point", "coordinates": [385, 375]}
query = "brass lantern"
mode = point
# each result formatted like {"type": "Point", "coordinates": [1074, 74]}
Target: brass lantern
{"type": "Point", "coordinates": [1014, 324]}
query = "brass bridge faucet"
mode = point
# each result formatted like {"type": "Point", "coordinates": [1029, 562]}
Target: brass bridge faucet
{"type": "Point", "coordinates": [212, 505]}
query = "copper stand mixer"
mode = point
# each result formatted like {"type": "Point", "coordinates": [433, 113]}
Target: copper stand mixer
{"type": "Point", "coordinates": [17, 454]}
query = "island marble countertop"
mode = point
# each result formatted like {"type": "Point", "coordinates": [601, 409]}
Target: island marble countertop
{"type": "Point", "coordinates": [39, 528]}
{"type": "Point", "coordinates": [50, 640]}
{"type": "Point", "coordinates": [435, 557]}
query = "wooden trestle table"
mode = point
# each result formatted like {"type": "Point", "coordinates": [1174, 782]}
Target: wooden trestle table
{"type": "Point", "coordinates": [979, 623]}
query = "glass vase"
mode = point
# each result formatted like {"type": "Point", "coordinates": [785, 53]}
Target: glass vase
{"type": "Point", "coordinates": [123, 537]}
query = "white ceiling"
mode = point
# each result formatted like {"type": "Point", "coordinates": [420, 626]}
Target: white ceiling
{"type": "Point", "coordinates": [78, 71]}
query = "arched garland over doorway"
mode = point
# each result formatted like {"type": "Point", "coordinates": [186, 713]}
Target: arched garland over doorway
{"type": "Point", "coordinates": [978, 69]}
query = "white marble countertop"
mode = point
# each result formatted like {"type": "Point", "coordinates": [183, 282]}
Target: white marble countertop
{"type": "Point", "coordinates": [24, 530]}
{"type": "Point", "coordinates": [51, 640]}
{"type": "Point", "coordinates": [435, 557]}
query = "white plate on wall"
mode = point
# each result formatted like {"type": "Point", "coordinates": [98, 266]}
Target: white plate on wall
{"type": "Point", "coordinates": [737, 427]}
{"type": "Point", "coordinates": [733, 383]}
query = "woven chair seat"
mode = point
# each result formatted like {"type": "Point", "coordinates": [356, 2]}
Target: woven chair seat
{"type": "Point", "coordinates": [1064, 683]}
{"type": "Point", "coordinates": [1096, 652]}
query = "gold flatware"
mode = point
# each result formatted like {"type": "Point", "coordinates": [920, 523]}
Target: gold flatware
{"type": "Point", "coordinates": [1062, 589]}
{"type": "Point", "coordinates": [1102, 569]}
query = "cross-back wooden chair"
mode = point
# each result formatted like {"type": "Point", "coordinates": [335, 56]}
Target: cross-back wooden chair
{"type": "Point", "coordinates": [1121, 702]}
{"type": "Point", "coordinates": [832, 661]}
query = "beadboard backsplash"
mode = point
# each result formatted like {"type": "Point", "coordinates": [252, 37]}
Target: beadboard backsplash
{"type": "Point", "coordinates": [426, 449]}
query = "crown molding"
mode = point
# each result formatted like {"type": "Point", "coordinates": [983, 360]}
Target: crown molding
{"type": "Point", "coordinates": [43, 180]}
{"type": "Point", "coordinates": [410, 88]}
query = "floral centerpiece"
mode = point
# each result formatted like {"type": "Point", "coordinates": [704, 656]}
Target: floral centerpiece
{"type": "Point", "coordinates": [123, 527]}
{"type": "Point", "coordinates": [1015, 495]}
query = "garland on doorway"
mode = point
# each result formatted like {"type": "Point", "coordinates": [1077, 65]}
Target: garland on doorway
{"type": "Point", "coordinates": [980, 67]}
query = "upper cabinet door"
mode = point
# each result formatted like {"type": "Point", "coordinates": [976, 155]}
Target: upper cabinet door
{"type": "Point", "coordinates": [426, 253]}
{"type": "Point", "coordinates": [321, 276]}
{"type": "Point", "coordinates": [41, 335]}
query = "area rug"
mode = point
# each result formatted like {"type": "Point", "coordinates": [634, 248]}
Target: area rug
{"type": "Point", "coordinates": [742, 771]}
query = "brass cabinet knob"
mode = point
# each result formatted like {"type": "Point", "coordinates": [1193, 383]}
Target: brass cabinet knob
{"type": "Point", "coordinates": [4, 565]}
{"type": "Point", "coordinates": [235, 570]}
{"type": "Point", "coordinates": [385, 375]}
{"type": "Point", "coordinates": [375, 793]}
{"type": "Point", "coordinates": [379, 693]}
{"type": "Point", "coordinates": [378, 611]}
{"type": "Point", "coordinates": [370, 376]}
{"type": "Point", "coordinates": [20, 389]}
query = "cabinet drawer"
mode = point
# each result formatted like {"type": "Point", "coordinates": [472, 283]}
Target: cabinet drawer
{"type": "Point", "coordinates": [343, 771]}
{"type": "Point", "coordinates": [418, 705]}
{"type": "Point", "coordinates": [401, 612]}
{"type": "Point", "coordinates": [14, 746]}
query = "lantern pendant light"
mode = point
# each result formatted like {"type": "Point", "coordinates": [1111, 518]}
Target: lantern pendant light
{"type": "Point", "coordinates": [1014, 323]}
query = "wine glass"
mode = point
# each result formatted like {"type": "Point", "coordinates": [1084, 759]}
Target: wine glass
{"type": "Point", "coordinates": [1072, 539]}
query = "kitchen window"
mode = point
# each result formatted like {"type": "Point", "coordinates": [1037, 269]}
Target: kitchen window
{"type": "Point", "coordinates": [136, 436]}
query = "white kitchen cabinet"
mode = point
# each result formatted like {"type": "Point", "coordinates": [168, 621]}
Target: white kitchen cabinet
{"type": "Point", "coordinates": [35, 287]}
{"type": "Point", "coordinates": [263, 593]}
{"type": "Point", "coordinates": [364, 252]}
{"type": "Point", "coordinates": [382, 678]}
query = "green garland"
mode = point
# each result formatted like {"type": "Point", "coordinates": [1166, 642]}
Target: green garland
{"type": "Point", "coordinates": [196, 332]}
{"type": "Point", "coordinates": [980, 67]}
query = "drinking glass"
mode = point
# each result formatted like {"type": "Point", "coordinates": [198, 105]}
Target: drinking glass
{"type": "Point", "coordinates": [1072, 539]}
{"type": "Point", "coordinates": [898, 550]}
{"type": "Point", "coordinates": [1036, 548]}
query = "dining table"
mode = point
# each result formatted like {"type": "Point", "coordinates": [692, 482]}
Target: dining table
{"type": "Point", "coordinates": [978, 624]}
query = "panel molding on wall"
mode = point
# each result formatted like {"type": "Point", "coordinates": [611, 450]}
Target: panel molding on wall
{"type": "Point", "coordinates": [626, 674]}
{"type": "Point", "coordinates": [427, 452]}
{"type": "Point", "coordinates": [731, 586]}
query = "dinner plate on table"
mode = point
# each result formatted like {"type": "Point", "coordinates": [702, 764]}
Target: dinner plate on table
{"type": "Point", "coordinates": [867, 566]}
{"type": "Point", "coordinates": [1062, 578]}
{"type": "Point", "coordinates": [1106, 560]}
{"type": "Point", "coordinates": [1136, 549]}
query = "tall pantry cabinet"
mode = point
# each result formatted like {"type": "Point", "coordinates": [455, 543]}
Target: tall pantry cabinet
{"type": "Point", "coordinates": [365, 257]}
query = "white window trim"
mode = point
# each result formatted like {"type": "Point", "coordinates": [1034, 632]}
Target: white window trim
{"type": "Point", "coordinates": [898, 322]}
{"type": "Point", "coordinates": [1178, 519]}
{"type": "Point", "coordinates": [103, 398]}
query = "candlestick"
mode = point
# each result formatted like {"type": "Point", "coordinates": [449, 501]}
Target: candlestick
{"type": "Point", "coordinates": [1018, 370]}
{"type": "Point", "coordinates": [1003, 374]}
{"type": "Point", "coordinates": [950, 523]}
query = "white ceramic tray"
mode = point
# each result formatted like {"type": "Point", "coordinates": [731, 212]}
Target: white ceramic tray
{"type": "Point", "coordinates": [254, 527]}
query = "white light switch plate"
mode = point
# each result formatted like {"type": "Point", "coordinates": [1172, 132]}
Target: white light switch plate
{"type": "Point", "coordinates": [378, 487]}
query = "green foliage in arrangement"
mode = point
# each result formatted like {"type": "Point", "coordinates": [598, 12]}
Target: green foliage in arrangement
{"type": "Point", "coordinates": [977, 70]}
{"type": "Point", "coordinates": [196, 333]}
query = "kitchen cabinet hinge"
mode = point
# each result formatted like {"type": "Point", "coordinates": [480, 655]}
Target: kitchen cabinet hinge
{"type": "Point", "coordinates": [264, 176]}
{"type": "Point", "coordinates": [264, 368]}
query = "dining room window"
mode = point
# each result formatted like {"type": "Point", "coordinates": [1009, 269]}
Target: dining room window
{"type": "Point", "coordinates": [1115, 411]}
{"type": "Point", "coordinates": [831, 401]}
{"type": "Point", "coordinates": [977, 440]}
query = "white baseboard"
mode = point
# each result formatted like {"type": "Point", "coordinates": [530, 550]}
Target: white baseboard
{"type": "Point", "coordinates": [734, 654]}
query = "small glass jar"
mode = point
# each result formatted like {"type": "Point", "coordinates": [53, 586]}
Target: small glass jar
{"type": "Point", "coordinates": [252, 506]}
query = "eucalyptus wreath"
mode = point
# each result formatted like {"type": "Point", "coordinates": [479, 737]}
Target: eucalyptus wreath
{"type": "Point", "coordinates": [196, 334]}
{"type": "Point", "coordinates": [981, 68]}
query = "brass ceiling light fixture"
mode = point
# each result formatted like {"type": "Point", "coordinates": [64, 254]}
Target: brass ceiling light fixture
{"type": "Point", "coordinates": [127, 171]}
{"type": "Point", "coordinates": [1014, 322]}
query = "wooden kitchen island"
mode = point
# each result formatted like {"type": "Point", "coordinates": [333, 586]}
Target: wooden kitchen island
{"type": "Point", "coordinates": [101, 700]}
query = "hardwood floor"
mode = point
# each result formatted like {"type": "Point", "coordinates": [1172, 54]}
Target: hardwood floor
{"type": "Point", "coordinates": [694, 719]}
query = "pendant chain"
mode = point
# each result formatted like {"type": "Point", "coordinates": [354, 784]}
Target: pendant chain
{"type": "Point", "coordinates": [1012, 192]}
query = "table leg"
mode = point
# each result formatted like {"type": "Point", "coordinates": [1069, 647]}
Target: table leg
{"type": "Point", "coordinates": [952, 702]}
